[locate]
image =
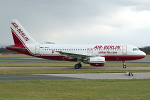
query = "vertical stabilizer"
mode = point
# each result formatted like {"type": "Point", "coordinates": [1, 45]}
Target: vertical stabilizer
{"type": "Point", "coordinates": [20, 35]}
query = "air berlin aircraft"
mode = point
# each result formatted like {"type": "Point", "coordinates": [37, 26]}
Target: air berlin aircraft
{"type": "Point", "coordinates": [93, 54]}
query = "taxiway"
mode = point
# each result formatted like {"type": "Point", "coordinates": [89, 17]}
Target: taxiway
{"type": "Point", "coordinates": [74, 76]}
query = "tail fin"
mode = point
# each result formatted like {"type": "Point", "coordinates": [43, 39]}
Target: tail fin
{"type": "Point", "coordinates": [20, 35]}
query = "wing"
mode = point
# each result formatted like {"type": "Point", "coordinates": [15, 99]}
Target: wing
{"type": "Point", "coordinates": [75, 55]}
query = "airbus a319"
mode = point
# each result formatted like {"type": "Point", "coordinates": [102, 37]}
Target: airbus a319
{"type": "Point", "coordinates": [93, 54]}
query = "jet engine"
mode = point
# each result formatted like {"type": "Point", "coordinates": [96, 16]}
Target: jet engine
{"type": "Point", "coordinates": [96, 61]}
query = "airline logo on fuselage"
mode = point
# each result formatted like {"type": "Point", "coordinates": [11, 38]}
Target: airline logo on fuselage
{"type": "Point", "coordinates": [20, 32]}
{"type": "Point", "coordinates": [109, 47]}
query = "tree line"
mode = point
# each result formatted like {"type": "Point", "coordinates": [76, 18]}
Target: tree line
{"type": "Point", "coordinates": [146, 49]}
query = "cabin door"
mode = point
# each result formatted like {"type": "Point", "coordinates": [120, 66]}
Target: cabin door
{"type": "Point", "coordinates": [90, 50]}
{"type": "Point", "coordinates": [124, 49]}
{"type": "Point", "coordinates": [37, 49]}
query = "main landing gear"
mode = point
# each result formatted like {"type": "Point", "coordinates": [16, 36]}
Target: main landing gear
{"type": "Point", "coordinates": [78, 65]}
{"type": "Point", "coordinates": [124, 65]}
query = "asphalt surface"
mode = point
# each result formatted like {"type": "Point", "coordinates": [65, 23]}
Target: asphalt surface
{"type": "Point", "coordinates": [74, 76]}
{"type": "Point", "coordinates": [33, 77]}
{"type": "Point", "coordinates": [104, 75]}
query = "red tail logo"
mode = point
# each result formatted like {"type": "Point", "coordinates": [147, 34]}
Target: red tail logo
{"type": "Point", "coordinates": [20, 32]}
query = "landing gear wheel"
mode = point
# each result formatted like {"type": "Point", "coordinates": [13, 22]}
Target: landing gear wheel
{"type": "Point", "coordinates": [124, 66]}
{"type": "Point", "coordinates": [77, 66]}
{"type": "Point", "coordinates": [80, 65]}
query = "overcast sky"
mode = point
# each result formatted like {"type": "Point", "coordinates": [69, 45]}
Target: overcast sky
{"type": "Point", "coordinates": [79, 21]}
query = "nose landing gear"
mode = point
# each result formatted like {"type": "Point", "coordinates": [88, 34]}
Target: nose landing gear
{"type": "Point", "coordinates": [124, 65]}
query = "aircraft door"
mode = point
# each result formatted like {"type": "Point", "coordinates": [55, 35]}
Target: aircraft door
{"type": "Point", "coordinates": [37, 49]}
{"type": "Point", "coordinates": [124, 49]}
{"type": "Point", "coordinates": [90, 50]}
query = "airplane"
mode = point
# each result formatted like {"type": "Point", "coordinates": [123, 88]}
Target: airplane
{"type": "Point", "coordinates": [93, 54]}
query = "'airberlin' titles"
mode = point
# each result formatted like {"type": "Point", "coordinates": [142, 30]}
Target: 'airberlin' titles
{"type": "Point", "coordinates": [107, 52]}
{"type": "Point", "coordinates": [107, 47]}
{"type": "Point", "coordinates": [20, 32]}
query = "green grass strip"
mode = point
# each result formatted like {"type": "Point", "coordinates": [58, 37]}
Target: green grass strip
{"type": "Point", "coordinates": [135, 89]}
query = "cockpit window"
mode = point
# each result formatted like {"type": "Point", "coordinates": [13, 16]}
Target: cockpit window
{"type": "Point", "coordinates": [135, 49]}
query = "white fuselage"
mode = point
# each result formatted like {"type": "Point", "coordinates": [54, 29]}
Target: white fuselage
{"type": "Point", "coordinates": [109, 51]}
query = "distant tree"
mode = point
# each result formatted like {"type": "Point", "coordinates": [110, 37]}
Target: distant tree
{"type": "Point", "coordinates": [5, 51]}
{"type": "Point", "coordinates": [146, 49]}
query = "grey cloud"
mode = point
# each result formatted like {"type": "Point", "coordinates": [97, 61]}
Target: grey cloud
{"type": "Point", "coordinates": [45, 19]}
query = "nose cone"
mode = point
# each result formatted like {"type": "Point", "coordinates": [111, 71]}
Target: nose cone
{"type": "Point", "coordinates": [143, 54]}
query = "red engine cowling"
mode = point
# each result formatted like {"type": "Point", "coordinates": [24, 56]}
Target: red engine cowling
{"type": "Point", "coordinates": [97, 61]}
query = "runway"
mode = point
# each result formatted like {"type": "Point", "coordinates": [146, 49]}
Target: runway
{"type": "Point", "coordinates": [104, 75]}
{"type": "Point", "coordinates": [74, 76]}
{"type": "Point", "coordinates": [32, 77]}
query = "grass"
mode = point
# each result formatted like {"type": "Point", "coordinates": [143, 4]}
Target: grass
{"type": "Point", "coordinates": [37, 64]}
{"type": "Point", "coordinates": [104, 89]}
{"type": "Point", "coordinates": [147, 56]}
{"type": "Point", "coordinates": [12, 63]}
{"type": "Point", "coordinates": [76, 90]}
{"type": "Point", "coordinates": [15, 63]}
{"type": "Point", "coordinates": [62, 71]}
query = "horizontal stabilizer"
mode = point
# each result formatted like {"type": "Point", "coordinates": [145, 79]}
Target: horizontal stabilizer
{"type": "Point", "coordinates": [17, 48]}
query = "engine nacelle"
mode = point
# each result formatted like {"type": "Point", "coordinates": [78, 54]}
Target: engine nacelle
{"type": "Point", "coordinates": [97, 61]}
